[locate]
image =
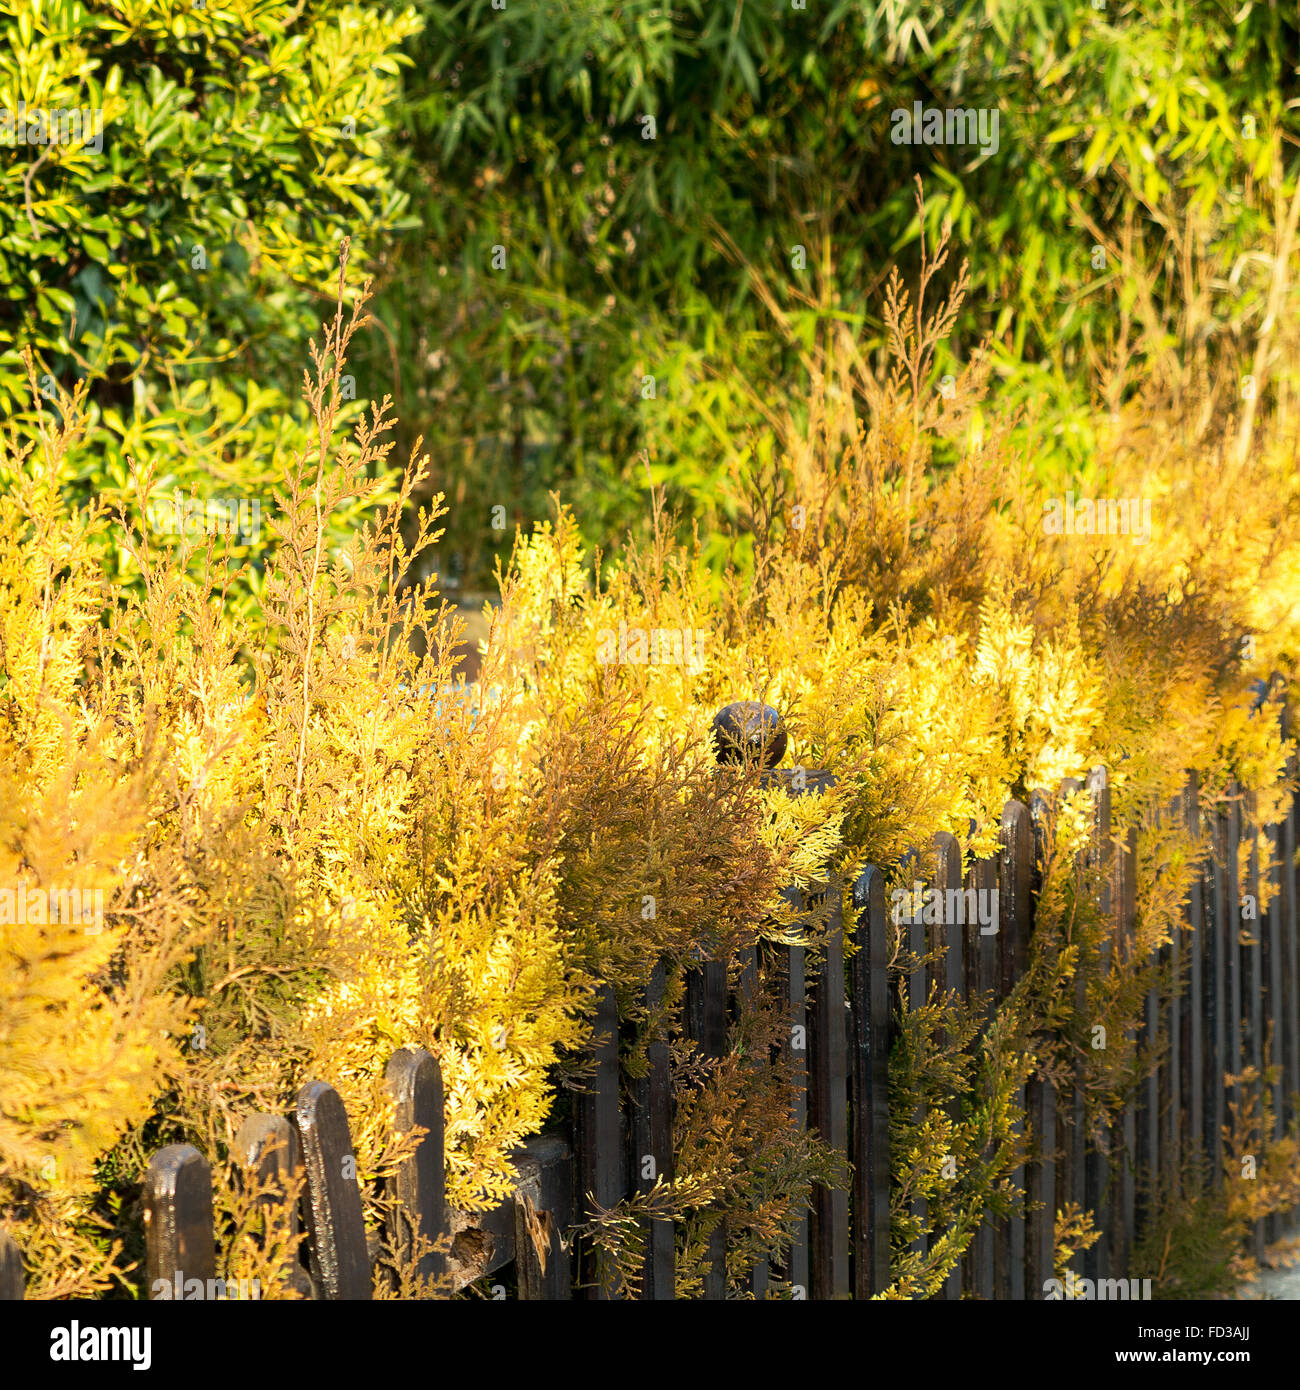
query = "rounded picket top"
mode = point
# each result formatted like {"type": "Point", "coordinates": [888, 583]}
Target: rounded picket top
{"type": "Point", "coordinates": [339, 1256]}
{"type": "Point", "coordinates": [749, 730]}
{"type": "Point", "coordinates": [177, 1200]}
{"type": "Point", "coordinates": [11, 1269]}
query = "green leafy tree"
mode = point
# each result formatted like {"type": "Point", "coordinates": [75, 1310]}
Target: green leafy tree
{"type": "Point", "coordinates": [176, 179]}
{"type": "Point", "coordinates": [656, 293]}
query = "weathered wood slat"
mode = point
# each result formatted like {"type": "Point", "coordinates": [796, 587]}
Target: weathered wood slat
{"type": "Point", "coordinates": [1193, 1041]}
{"type": "Point", "coordinates": [954, 934]}
{"type": "Point", "coordinates": [760, 1275]}
{"type": "Point", "coordinates": [1236, 992]}
{"type": "Point", "coordinates": [1044, 1171]}
{"type": "Point", "coordinates": [1149, 1112]}
{"type": "Point", "coordinates": [1237, 959]}
{"type": "Point", "coordinates": [179, 1241]}
{"type": "Point", "coordinates": [543, 1212]}
{"type": "Point", "coordinates": [1099, 1196]}
{"type": "Point", "coordinates": [917, 991]}
{"type": "Point", "coordinates": [1125, 1227]}
{"type": "Point", "coordinates": [828, 1110]}
{"type": "Point", "coordinates": [796, 1267]}
{"type": "Point", "coordinates": [12, 1282]}
{"type": "Point", "coordinates": [1291, 948]}
{"type": "Point", "coordinates": [1216, 978]}
{"type": "Point", "coordinates": [706, 1014]}
{"type": "Point", "coordinates": [1252, 979]}
{"type": "Point", "coordinates": [1015, 919]}
{"type": "Point", "coordinates": [414, 1081]}
{"type": "Point", "coordinates": [598, 1135]}
{"type": "Point", "coordinates": [1274, 1002]}
{"type": "Point", "coordinates": [267, 1145]}
{"type": "Point", "coordinates": [1071, 1174]}
{"type": "Point", "coordinates": [870, 1087]}
{"type": "Point", "coordinates": [1040, 1188]}
{"type": "Point", "coordinates": [535, 1217]}
{"type": "Point", "coordinates": [1173, 1088]}
{"type": "Point", "coordinates": [340, 1261]}
{"type": "Point", "coordinates": [983, 982]}
{"type": "Point", "coordinates": [651, 1129]}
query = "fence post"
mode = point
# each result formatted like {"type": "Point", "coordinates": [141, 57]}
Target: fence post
{"type": "Point", "coordinates": [1275, 1011]}
{"type": "Point", "coordinates": [1042, 1173]}
{"type": "Point", "coordinates": [1290, 1021]}
{"type": "Point", "coordinates": [750, 733]}
{"type": "Point", "coordinates": [706, 1016]}
{"type": "Point", "coordinates": [1071, 1175]}
{"type": "Point", "coordinates": [792, 984]}
{"type": "Point", "coordinates": [828, 1109]}
{"type": "Point", "coordinates": [1102, 1196]}
{"type": "Point", "coordinates": [268, 1146]}
{"type": "Point", "coordinates": [870, 1081]}
{"type": "Point", "coordinates": [948, 878]}
{"type": "Point", "coordinates": [1216, 998]}
{"type": "Point", "coordinates": [916, 991]}
{"type": "Point", "coordinates": [749, 982]}
{"type": "Point", "coordinates": [340, 1260]}
{"type": "Point", "coordinates": [982, 977]}
{"type": "Point", "coordinates": [1015, 908]}
{"type": "Point", "coordinates": [1252, 981]}
{"type": "Point", "coordinates": [651, 1129]}
{"type": "Point", "coordinates": [545, 1274]}
{"type": "Point", "coordinates": [11, 1269]}
{"type": "Point", "coordinates": [599, 1133]}
{"type": "Point", "coordinates": [1172, 1085]}
{"type": "Point", "coordinates": [1232, 941]}
{"type": "Point", "coordinates": [1193, 1037]}
{"type": "Point", "coordinates": [414, 1080]}
{"type": "Point", "coordinates": [1125, 1228]}
{"type": "Point", "coordinates": [180, 1248]}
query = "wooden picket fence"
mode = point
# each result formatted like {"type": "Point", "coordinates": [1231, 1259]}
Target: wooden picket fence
{"type": "Point", "coordinates": [1238, 1007]}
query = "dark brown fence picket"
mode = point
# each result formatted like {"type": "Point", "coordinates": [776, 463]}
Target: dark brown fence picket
{"type": "Point", "coordinates": [12, 1283]}
{"type": "Point", "coordinates": [1274, 1004]}
{"type": "Point", "coordinates": [1217, 980]}
{"type": "Point", "coordinates": [870, 1087]}
{"type": "Point", "coordinates": [340, 1261]}
{"type": "Point", "coordinates": [267, 1145]}
{"type": "Point", "coordinates": [794, 1000]}
{"type": "Point", "coordinates": [651, 1129]}
{"type": "Point", "coordinates": [1289, 1019]}
{"type": "Point", "coordinates": [1252, 980]}
{"type": "Point", "coordinates": [1155, 1041]}
{"type": "Point", "coordinates": [706, 1023]}
{"type": "Point", "coordinates": [917, 992]}
{"type": "Point", "coordinates": [1071, 1174]}
{"type": "Point", "coordinates": [1015, 917]}
{"type": "Point", "coordinates": [952, 942]}
{"type": "Point", "coordinates": [414, 1080]}
{"type": "Point", "coordinates": [543, 1214]}
{"type": "Point", "coordinates": [180, 1247]}
{"type": "Point", "coordinates": [760, 1275]}
{"type": "Point", "coordinates": [598, 1133]}
{"type": "Point", "coordinates": [1124, 1229]}
{"type": "Point", "coordinates": [1192, 1029]}
{"type": "Point", "coordinates": [982, 983]}
{"type": "Point", "coordinates": [1043, 1172]}
{"type": "Point", "coordinates": [1099, 1197]}
{"type": "Point", "coordinates": [828, 1112]}
{"type": "Point", "coordinates": [1172, 1093]}
{"type": "Point", "coordinates": [1235, 952]}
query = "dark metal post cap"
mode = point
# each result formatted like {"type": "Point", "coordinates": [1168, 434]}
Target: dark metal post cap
{"type": "Point", "coordinates": [748, 729]}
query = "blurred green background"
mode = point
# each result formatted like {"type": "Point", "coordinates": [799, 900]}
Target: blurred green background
{"type": "Point", "coordinates": [538, 257]}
